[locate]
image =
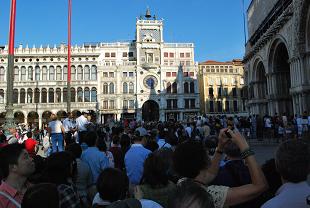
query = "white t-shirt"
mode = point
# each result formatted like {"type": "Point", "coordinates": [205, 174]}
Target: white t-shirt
{"type": "Point", "coordinates": [268, 123]}
{"type": "Point", "coordinates": [189, 131]}
{"type": "Point", "coordinates": [68, 124]}
{"type": "Point", "coordinates": [55, 126]}
{"type": "Point", "coordinates": [81, 123]}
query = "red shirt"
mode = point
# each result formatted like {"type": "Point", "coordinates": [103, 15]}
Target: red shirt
{"type": "Point", "coordinates": [6, 188]}
{"type": "Point", "coordinates": [30, 145]}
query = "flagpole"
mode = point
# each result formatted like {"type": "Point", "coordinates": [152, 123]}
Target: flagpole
{"type": "Point", "coordinates": [69, 58]}
{"type": "Point", "coordinates": [9, 118]}
{"type": "Point", "coordinates": [244, 29]}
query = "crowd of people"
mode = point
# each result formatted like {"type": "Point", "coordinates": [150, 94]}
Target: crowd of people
{"type": "Point", "coordinates": [205, 162]}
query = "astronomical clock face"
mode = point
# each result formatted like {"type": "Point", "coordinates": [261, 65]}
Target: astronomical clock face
{"type": "Point", "coordinates": [150, 82]}
{"type": "Point", "coordinates": [150, 34]}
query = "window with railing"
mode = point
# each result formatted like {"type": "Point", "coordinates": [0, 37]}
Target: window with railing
{"type": "Point", "coordinates": [86, 73]}
{"type": "Point", "coordinates": [2, 74]}
{"type": "Point", "coordinates": [174, 88]}
{"type": "Point", "coordinates": [80, 94]}
{"type": "Point", "coordinates": [1, 96]}
{"type": "Point", "coordinates": [235, 103]}
{"type": "Point", "coordinates": [23, 76]}
{"type": "Point", "coordinates": [211, 106]}
{"type": "Point", "coordinates": [111, 104]}
{"type": "Point", "coordinates": [58, 73]}
{"type": "Point", "coordinates": [125, 104]}
{"type": "Point", "coordinates": [86, 95]}
{"type": "Point", "coordinates": [234, 92]}
{"type": "Point", "coordinates": [219, 106]}
{"type": "Point", "coordinates": [105, 88]}
{"type": "Point", "coordinates": [186, 88]}
{"type": "Point", "coordinates": [131, 104]}
{"type": "Point", "coordinates": [22, 96]}
{"type": "Point", "coordinates": [51, 74]}
{"type": "Point", "coordinates": [105, 104]}
{"type": "Point", "coordinates": [44, 96]}
{"type": "Point", "coordinates": [16, 74]}
{"type": "Point", "coordinates": [192, 103]}
{"type": "Point", "coordinates": [125, 88]}
{"type": "Point", "coordinates": [131, 88]}
{"type": "Point", "coordinates": [192, 87]}
{"type": "Point", "coordinates": [168, 87]}
{"type": "Point", "coordinates": [51, 95]}
{"type": "Point", "coordinates": [15, 96]}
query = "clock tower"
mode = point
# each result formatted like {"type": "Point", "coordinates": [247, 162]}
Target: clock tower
{"type": "Point", "coordinates": [149, 43]}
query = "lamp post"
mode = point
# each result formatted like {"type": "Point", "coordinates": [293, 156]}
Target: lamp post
{"type": "Point", "coordinates": [69, 58]}
{"type": "Point", "coordinates": [9, 118]}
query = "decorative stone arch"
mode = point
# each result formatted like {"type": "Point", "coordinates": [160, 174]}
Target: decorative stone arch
{"type": "Point", "coordinates": [33, 118]}
{"type": "Point", "coordinates": [61, 114]}
{"type": "Point", "coordinates": [19, 117]}
{"type": "Point", "coordinates": [257, 61]}
{"type": "Point", "coordinates": [278, 40]}
{"type": "Point", "coordinates": [280, 76]}
{"type": "Point", "coordinates": [46, 115]}
{"type": "Point", "coordinates": [260, 79]}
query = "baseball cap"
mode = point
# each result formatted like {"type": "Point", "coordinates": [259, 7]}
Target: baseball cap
{"type": "Point", "coordinates": [141, 132]}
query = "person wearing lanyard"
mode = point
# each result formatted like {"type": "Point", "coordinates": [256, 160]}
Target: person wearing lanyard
{"type": "Point", "coordinates": [69, 128]}
{"type": "Point", "coordinates": [56, 132]}
{"type": "Point", "coordinates": [81, 123]}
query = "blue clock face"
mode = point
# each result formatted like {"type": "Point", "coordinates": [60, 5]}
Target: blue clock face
{"type": "Point", "coordinates": [150, 82]}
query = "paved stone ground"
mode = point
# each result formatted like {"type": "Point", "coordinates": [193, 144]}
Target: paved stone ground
{"type": "Point", "coordinates": [264, 152]}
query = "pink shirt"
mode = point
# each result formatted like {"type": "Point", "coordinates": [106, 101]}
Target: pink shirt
{"type": "Point", "coordinates": [6, 188]}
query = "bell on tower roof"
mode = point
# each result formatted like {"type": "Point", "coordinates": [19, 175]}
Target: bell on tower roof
{"type": "Point", "coordinates": [148, 13]}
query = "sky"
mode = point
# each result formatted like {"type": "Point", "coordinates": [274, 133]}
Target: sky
{"type": "Point", "coordinates": [214, 26]}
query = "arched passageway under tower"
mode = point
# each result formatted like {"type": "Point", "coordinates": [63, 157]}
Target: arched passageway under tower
{"type": "Point", "coordinates": [150, 111]}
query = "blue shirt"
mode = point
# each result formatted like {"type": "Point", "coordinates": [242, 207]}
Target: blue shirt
{"type": "Point", "coordinates": [162, 143]}
{"type": "Point", "coordinates": [96, 160]}
{"type": "Point", "coordinates": [290, 195]}
{"type": "Point", "coordinates": [134, 160]}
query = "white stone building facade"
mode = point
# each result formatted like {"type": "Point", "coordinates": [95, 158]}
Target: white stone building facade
{"type": "Point", "coordinates": [142, 79]}
{"type": "Point", "coordinates": [277, 59]}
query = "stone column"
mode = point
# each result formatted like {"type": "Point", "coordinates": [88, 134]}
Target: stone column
{"type": "Point", "coordinates": [40, 120]}
{"type": "Point", "coordinates": [300, 104]}
{"type": "Point", "coordinates": [62, 95]}
{"type": "Point", "coordinates": [33, 92]}
{"type": "Point", "coordinates": [26, 116]}
{"type": "Point", "coordinates": [18, 97]}
{"type": "Point", "coordinates": [40, 95]}
{"type": "Point", "coordinates": [181, 116]}
{"type": "Point", "coordinates": [304, 102]}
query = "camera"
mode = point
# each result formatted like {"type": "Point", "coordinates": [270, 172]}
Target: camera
{"type": "Point", "coordinates": [227, 133]}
